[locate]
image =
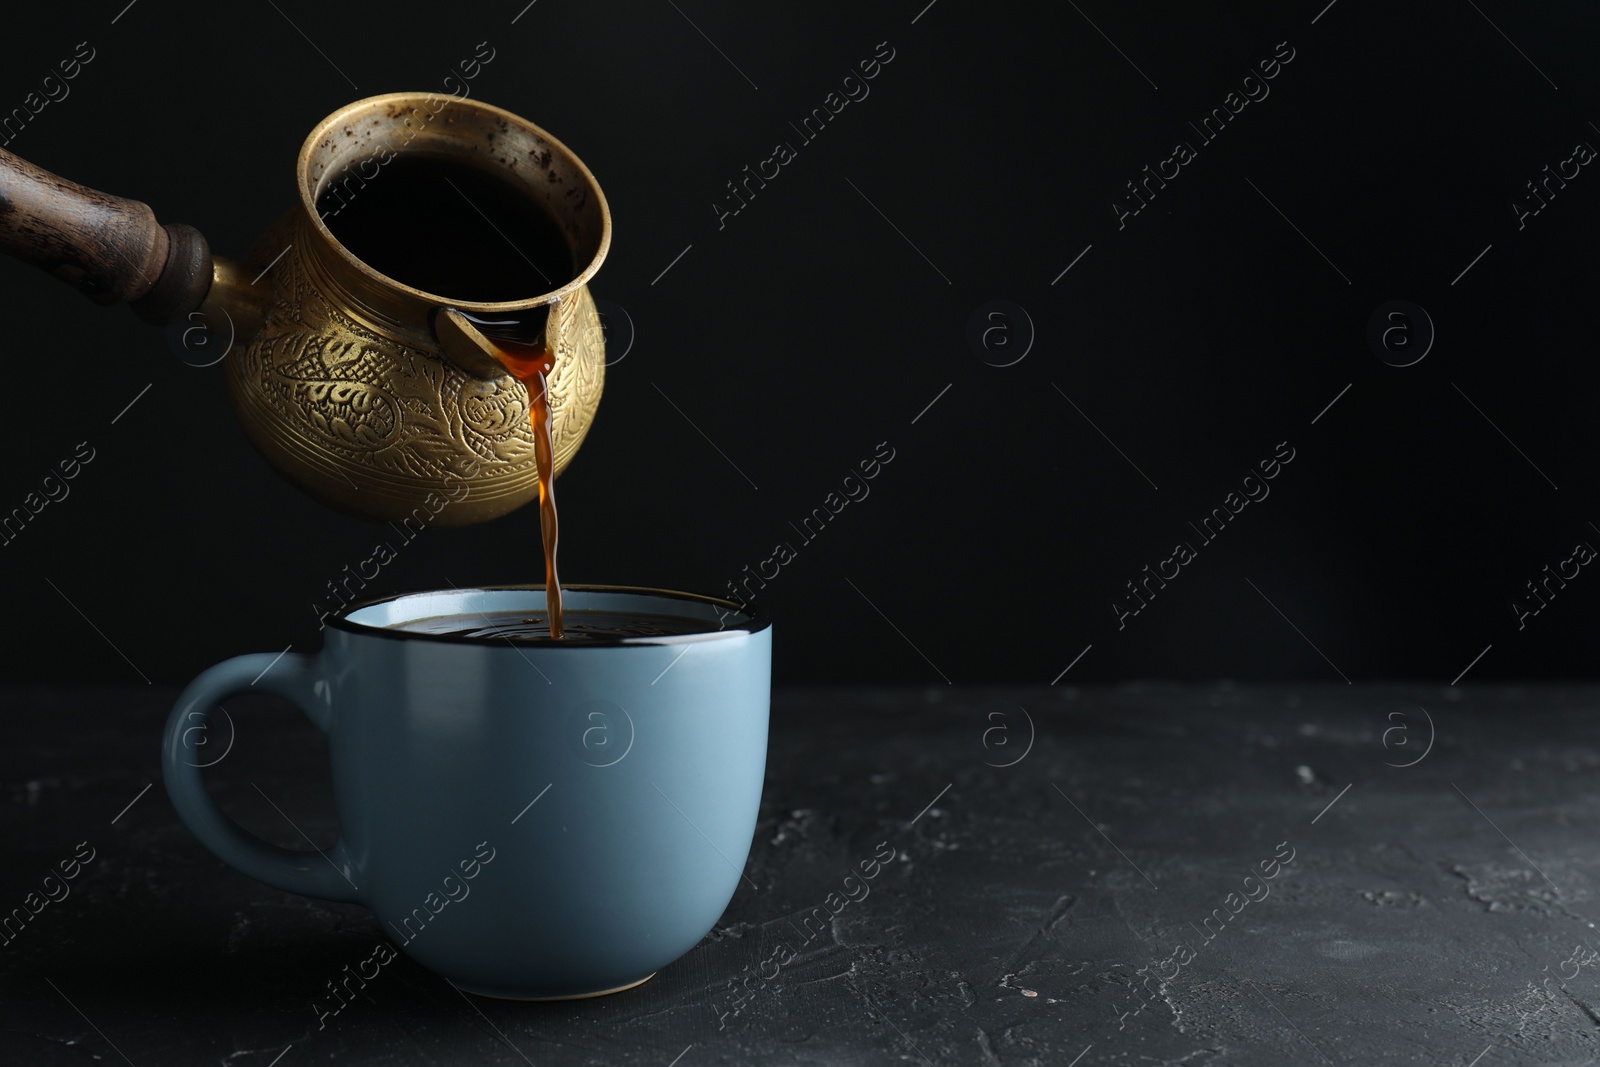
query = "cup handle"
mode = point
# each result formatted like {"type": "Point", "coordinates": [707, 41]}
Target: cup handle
{"type": "Point", "coordinates": [296, 677]}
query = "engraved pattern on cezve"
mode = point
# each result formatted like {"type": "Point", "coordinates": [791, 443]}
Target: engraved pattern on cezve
{"type": "Point", "coordinates": [368, 402]}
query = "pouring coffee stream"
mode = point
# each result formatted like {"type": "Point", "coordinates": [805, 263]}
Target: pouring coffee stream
{"type": "Point", "coordinates": [532, 374]}
{"type": "Point", "coordinates": [384, 354]}
{"type": "Point", "coordinates": [530, 363]}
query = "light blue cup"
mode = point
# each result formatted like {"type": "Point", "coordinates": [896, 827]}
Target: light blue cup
{"type": "Point", "coordinates": [535, 821]}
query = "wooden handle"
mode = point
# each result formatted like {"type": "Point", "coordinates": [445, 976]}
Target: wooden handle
{"type": "Point", "coordinates": [110, 249]}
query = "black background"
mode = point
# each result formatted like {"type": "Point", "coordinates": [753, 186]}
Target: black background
{"type": "Point", "coordinates": [808, 330]}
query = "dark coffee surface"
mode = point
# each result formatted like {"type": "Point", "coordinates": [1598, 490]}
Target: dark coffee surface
{"type": "Point", "coordinates": [579, 626]}
{"type": "Point", "coordinates": [448, 229]}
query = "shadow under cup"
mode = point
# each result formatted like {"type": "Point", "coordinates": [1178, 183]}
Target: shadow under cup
{"type": "Point", "coordinates": [540, 819]}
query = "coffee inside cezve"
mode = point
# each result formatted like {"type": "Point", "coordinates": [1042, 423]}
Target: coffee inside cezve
{"type": "Point", "coordinates": [456, 231]}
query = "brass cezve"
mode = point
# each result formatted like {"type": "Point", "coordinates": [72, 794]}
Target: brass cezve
{"type": "Point", "coordinates": [367, 393]}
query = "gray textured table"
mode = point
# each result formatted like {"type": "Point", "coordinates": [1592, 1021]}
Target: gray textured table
{"type": "Point", "coordinates": [1104, 897]}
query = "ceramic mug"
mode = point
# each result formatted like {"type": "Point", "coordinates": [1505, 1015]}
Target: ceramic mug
{"type": "Point", "coordinates": [536, 820]}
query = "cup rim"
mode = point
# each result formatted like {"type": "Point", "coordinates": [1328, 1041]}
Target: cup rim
{"type": "Point", "coordinates": [756, 618]}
